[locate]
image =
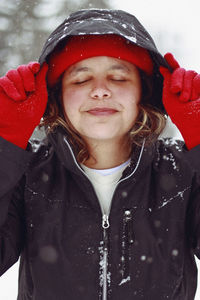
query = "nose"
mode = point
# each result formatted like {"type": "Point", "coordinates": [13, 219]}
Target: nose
{"type": "Point", "coordinates": [100, 92]}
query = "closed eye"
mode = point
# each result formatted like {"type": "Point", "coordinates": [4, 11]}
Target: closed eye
{"type": "Point", "coordinates": [81, 82]}
{"type": "Point", "coordinates": [118, 79]}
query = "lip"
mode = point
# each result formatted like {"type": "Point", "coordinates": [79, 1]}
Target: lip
{"type": "Point", "coordinates": [103, 111]}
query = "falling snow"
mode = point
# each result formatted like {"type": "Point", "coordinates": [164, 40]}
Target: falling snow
{"type": "Point", "coordinates": [143, 258]}
{"type": "Point", "coordinates": [175, 252]}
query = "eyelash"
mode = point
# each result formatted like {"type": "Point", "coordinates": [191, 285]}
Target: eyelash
{"type": "Point", "coordinates": [121, 80]}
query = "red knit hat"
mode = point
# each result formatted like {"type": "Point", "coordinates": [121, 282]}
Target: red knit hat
{"type": "Point", "coordinates": [86, 46]}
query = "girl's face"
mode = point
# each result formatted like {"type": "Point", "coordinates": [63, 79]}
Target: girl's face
{"type": "Point", "coordinates": [101, 96]}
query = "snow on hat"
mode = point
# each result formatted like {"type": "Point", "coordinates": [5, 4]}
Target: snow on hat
{"type": "Point", "coordinates": [86, 46]}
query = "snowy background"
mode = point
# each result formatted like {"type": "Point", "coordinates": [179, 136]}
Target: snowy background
{"type": "Point", "coordinates": [25, 24]}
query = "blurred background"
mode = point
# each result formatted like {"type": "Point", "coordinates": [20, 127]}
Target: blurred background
{"type": "Point", "coordinates": [25, 25]}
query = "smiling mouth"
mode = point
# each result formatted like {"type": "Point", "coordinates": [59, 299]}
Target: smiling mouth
{"type": "Point", "coordinates": [102, 111]}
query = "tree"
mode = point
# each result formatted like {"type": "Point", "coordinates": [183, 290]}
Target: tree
{"type": "Point", "coordinates": [25, 25]}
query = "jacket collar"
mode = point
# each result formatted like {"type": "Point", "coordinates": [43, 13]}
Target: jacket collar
{"type": "Point", "coordinates": [141, 157]}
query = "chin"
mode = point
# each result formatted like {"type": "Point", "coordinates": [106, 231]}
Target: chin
{"type": "Point", "coordinates": [102, 136]}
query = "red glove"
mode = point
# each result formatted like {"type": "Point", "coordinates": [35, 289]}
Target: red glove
{"type": "Point", "coordinates": [23, 99]}
{"type": "Point", "coordinates": [181, 99]}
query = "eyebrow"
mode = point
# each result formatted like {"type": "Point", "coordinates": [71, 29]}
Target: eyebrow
{"type": "Point", "coordinates": [77, 70]}
{"type": "Point", "coordinates": [121, 67]}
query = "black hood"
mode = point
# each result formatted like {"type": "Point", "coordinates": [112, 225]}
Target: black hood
{"type": "Point", "coordinates": [106, 21]}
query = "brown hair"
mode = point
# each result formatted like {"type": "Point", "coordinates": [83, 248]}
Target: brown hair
{"type": "Point", "coordinates": [149, 123]}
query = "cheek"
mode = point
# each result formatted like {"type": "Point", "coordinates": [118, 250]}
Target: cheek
{"type": "Point", "coordinates": [132, 92]}
{"type": "Point", "coordinates": [131, 99]}
{"type": "Point", "coordinates": [71, 102]}
{"type": "Point", "coordinates": [131, 105]}
{"type": "Point", "coordinates": [132, 112]}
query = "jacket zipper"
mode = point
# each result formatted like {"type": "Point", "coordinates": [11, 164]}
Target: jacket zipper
{"type": "Point", "coordinates": [105, 225]}
{"type": "Point", "coordinates": [105, 220]}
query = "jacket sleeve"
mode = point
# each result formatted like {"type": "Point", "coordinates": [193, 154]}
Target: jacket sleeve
{"type": "Point", "coordinates": [193, 157]}
{"type": "Point", "coordinates": [193, 219]}
{"type": "Point", "coordinates": [13, 162]}
{"type": "Point", "coordinates": [193, 213]}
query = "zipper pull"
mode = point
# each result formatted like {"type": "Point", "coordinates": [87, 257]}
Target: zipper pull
{"type": "Point", "coordinates": [105, 222]}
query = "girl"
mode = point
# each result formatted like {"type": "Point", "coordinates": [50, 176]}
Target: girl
{"type": "Point", "coordinates": [102, 208]}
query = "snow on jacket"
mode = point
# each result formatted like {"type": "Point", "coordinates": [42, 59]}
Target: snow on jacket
{"type": "Point", "coordinates": [50, 215]}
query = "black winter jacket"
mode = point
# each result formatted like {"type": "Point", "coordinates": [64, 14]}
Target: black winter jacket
{"type": "Point", "coordinates": [50, 215]}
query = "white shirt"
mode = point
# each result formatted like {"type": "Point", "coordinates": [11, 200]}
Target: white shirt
{"type": "Point", "coordinates": [104, 183]}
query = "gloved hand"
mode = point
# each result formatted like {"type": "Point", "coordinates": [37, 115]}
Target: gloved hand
{"type": "Point", "coordinates": [181, 99]}
{"type": "Point", "coordinates": [23, 99]}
